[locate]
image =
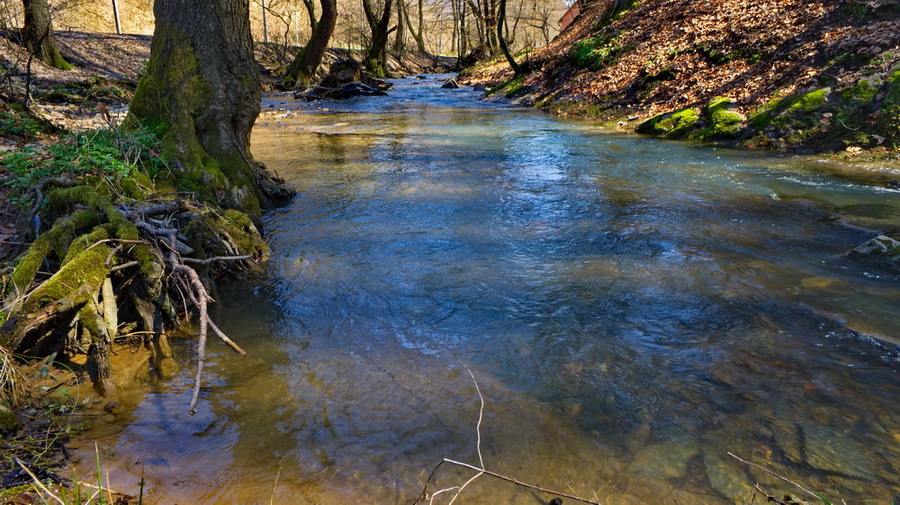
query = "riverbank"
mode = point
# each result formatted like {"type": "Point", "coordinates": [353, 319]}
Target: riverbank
{"type": "Point", "coordinates": [796, 76]}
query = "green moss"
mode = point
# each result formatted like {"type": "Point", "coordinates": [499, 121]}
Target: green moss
{"type": "Point", "coordinates": [722, 123]}
{"type": "Point", "coordinates": [87, 269]}
{"type": "Point", "coordinates": [80, 244]}
{"type": "Point", "coordinates": [507, 88]}
{"type": "Point", "coordinates": [596, 53]}
{"type": "Point", "coordinates": [863, 93]}
{"type": "Point", "coordinates": [56, 240]}
{"type": "Point", "coordinates": [809, 102]}
{"type": "Point", "coordinates": [673, 125]}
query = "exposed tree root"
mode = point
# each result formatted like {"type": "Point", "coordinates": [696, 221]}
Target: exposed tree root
{"type": "Point", "coordinates": [105, 268]}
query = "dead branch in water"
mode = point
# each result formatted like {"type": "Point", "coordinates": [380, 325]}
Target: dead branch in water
{"type": "Point", "coordinates": [481, 469]}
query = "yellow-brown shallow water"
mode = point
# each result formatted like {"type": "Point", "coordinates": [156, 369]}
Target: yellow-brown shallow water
{"type": "Point", "coordinates": [633, 310]}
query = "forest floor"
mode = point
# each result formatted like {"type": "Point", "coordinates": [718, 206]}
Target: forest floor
{"type": "Point", "coordinates": [805, 76]}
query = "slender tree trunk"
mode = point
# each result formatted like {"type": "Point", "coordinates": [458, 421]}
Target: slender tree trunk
{"type": "Point", "coordinates": [417, 35]}
{"type": "Point", "coordinates": [400, 30]}
{"type": "Point", "coordinates": [311, 12]}
{"type": "Point", "coordinates": [37, 33]}
{"type": "Point", "coordinates": [502, 38]}
{"type": "Point", "coordinates": [201, 96]}
{"type": "Point", "coordinates": [307, 61]}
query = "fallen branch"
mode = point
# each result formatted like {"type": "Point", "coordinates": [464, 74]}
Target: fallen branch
{"type": "Point", "coordinates": [481, 470]}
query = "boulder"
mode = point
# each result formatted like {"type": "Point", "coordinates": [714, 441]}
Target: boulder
{"type": "Point", "coordinates": [881, 251]}
{"type": "Point", "coordinates": [342, 72]}
{"type": "Point", "coordinates": [9, 423]}
{"type": "Point", "coordinates": [479, 87]}
{"type": "Point", "coordinates": [343, 92]}
{"type": "Point", "coordinates": [450, 84]}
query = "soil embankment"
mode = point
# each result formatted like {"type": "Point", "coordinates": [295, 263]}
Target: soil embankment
{"type": "Point", "coordinates": [807, 76]}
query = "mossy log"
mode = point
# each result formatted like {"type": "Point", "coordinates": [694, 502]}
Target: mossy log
{"type": "Point", "coordinates": [103, 266]}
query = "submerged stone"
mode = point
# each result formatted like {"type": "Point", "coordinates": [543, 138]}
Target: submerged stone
{"type": "Point", "coordinates": [667, 460]}
{"type": "Point", "coordinates": [833, 451]}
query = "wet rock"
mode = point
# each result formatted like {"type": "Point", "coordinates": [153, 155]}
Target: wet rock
{"type": "Point", "coordinates": [832, 450]}
{"type": "Point", "coordinates": [667, 460]}
{"type": "Point", "coordinates": [450, 84]}
{"type": "Point", "coordinates": [421, 77]}
{"type": "Point", "coordinates": [482, 87]}
{"type": "Point", "coordinates": [881, 251]}
{"type": "Point", "coordinates": [345, 92]}
{"type": "Point", "coordinates": [8, 420]}
{"type": "Point", "coordinates": [725, 478]}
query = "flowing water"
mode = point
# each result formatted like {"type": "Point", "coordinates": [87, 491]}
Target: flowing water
{"type": "Point", "coordinates": [632, 311]}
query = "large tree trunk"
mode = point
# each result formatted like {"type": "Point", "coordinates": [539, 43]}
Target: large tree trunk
{"type": "Point", "coordinates": [376, 57]}
{"type": "Point", "coordinates": [201, 96]}
{"type": "Point", "coordinates": [307, 61]}
{"type": "Point", "coordinates": [37, 33]}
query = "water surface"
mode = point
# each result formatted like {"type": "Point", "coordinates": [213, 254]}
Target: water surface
{"type": "Point", "coordinates": [632, 310]}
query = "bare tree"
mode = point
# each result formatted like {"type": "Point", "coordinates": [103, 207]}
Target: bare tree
{"type": "Point", "coordinates": [307, 61]}
{"type": "Point", "coordinates": [379, 25]}
{"type": "Point", "coordinates": [501, 23]}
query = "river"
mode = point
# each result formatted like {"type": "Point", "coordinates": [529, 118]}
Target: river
{"type": "Point", "coordinates": [632, 311]}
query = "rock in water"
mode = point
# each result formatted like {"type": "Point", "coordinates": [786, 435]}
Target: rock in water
{"type": "Point", "coordinates": [451, 84]}
{"type": "Point", "coordinates": [882, 251]}
{"type": "Point", "coordinates": [342, 72]}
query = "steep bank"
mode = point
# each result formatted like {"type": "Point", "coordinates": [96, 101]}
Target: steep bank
{"type": "Point", "coordinates": [808, 76]}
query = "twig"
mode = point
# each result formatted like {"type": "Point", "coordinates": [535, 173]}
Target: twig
{"type": "Point", "coordinates": [768, 496]}
{"type": "Point", "coordinates": [123, 266]}
{"type": "Point", "coordinates": [523, 484]}
{"type": "Point", "coordinates": [207, 261]}
{"type": "Point", "coordinates": [776, 475]}
{"type": "Point", "coordinates": [38, 482]}
{"type": "Point", "coordinates": [225, 338]}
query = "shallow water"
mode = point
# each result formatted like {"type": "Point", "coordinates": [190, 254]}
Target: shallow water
{"type": "Point", "coordinates": [632, 310]}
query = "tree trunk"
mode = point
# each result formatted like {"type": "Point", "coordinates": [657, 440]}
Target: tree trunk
{"type": "Point", "coordinates": [376, 57]}
{"type": "Point", "coordinates": [201, 96]}
{"type": "Point", "coordinates": [417, 35]}
{"type": "Point", "coordinates": [307, 61]}
{"type": "Point", "coordinates": [400, 35]}
{"type": "Point", "coordinates": [311, 12]}
{"type": "Point", "coordinates": [502, 39]}
{"type": "Point", "coordinates": [37, 33]}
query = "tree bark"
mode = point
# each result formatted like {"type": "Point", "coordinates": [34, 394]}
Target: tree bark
{"type": "Point", "coordinates": [201, 96]}
{"type": "Point", "coordinates": [307, 61]}
{"type": "Point", "coordinates": [37, 33]}
{"type": "Point", "coordinates": [501, 37]}
{"type": "Point", "coordinates": [400, 35]}
{"type": "Point", "coordinates": [376, 57]}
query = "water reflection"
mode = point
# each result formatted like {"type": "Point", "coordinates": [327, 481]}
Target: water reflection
{"type": "Point", "coordinates": [633, 310]}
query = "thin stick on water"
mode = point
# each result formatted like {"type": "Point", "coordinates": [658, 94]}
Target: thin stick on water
{"type": "Point", "coordinates": [775, 474]}
{"type": "Point", "coordinates": [272, 499]}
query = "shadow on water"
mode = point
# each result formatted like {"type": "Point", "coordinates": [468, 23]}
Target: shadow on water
{"type": "Point", "coordinates": [633, 310]}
